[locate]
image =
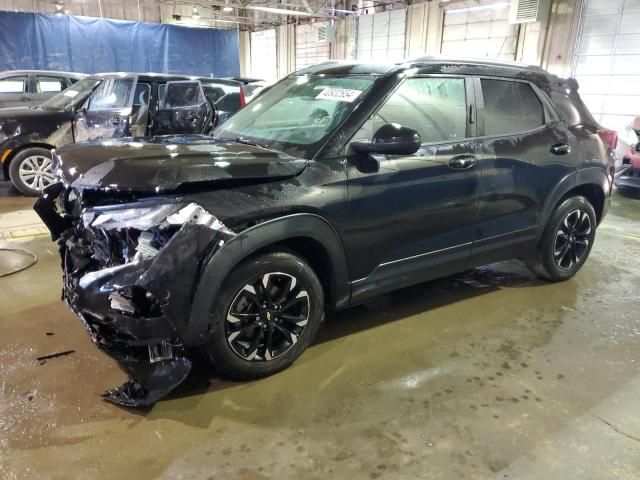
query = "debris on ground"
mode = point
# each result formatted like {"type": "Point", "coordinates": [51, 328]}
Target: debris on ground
{"type": "Point", "coordinates": [43, 359]}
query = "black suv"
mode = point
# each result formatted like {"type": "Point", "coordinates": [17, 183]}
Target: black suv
{"type": "Point", "coordinates": [109, 106]}
{"type": "Point", "coordinates": [340, 182]}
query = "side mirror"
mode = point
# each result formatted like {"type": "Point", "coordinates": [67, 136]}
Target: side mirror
{"type": "Point", "coordinates": [391, 139]}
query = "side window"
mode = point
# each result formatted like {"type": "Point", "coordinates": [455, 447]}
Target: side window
{"type": "Point", "coordinates": [14, 84]}
{"type": "Point", "coordinates": [225, 97]}
{"type": "Point", "coordinates": [435, 107]}
{"type": "Point", "coordinates": [113, 93]}
{"type": "Point", "coordinates": [213, 92]}
{"type": "Point", "coordinates": [141, 97]}
{"type": "Point", "coordinates": [180, 94]}
{"type": "Point", "coordinates": [49, 84]}
{"type": "Point", "coordinates": [510, 107]}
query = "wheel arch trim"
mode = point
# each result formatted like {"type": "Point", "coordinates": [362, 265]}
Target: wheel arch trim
{"type": "Point", "coordinates": [593, 176]}
{"type": "Point", "coordinates": [253, 239]}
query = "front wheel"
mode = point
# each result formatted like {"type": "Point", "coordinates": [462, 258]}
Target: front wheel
{"type": "Point", "coordinates": [268, 311]}
{"type": "Point", "coordinates": [31, 171]}
{"type": "Point", "coordinates": [566, 241]}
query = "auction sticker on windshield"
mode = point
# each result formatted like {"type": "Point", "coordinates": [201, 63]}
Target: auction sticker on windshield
{"type": "Point", "coordinates": [339, 94]}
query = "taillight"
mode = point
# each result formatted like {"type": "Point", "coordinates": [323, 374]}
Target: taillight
{"type": "Point", "coordinates": [243, 102]}
{"type": "Point", "coordinates": [610, 137]}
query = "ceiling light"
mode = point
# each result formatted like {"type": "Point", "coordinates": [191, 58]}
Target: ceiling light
{"type": "Point", "coordinates": [492, 6]}
{"type": "Point", "coordinates": [282, 11]}
{"type": "Point", "coordinates": [227, 9]}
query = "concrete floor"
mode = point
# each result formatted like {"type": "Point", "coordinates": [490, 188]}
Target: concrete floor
{"type": "Point", "coordinates": [488, 374]}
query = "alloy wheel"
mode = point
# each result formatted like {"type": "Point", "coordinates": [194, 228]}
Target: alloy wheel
{"type": "Point", "coordinates": [36, 172]}
{"type": "Point", "coordinates": [267, 316]}
{"type": "Point", "coordinates": [572, 239]}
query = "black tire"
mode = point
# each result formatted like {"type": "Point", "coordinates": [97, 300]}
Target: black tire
{"type": "Point", "coordinates": [566, 242]}
{"type": "Point", "coordinates": [234, 355]}
{"type": "Point", "coordinates": [36, 160]}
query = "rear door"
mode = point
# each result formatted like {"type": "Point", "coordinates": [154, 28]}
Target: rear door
{"type": "Point", "coordinates": [108, 111]}
{"type": "Point", "coordinates": [184, 109]}
{"type": "Point", "coordinates": [526, 151]}
{"type": "Point", "coordinates": [46, 86]}
{"type": "Point", "coordinates": [14, 91]}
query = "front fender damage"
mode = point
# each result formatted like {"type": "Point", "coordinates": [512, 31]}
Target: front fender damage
{"type": "Point", "coordinates": [132, 289]}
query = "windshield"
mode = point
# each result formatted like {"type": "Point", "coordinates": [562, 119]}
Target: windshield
{"type": "Point", "coordinates": [72, 96]}
{"type": "Point", "coordinates": [297, 114]}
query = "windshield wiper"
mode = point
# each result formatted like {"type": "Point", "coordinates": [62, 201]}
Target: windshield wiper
{"type": "Point", "coordinates": [244, 141]}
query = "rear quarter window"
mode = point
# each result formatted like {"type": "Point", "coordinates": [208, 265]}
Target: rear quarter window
{"type": "Point", "coordinates": [510, 107]}
{"type": "Point", "coordinates": [48, 84]}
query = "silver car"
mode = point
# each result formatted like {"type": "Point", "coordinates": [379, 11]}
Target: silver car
{"type": "Point", "coordinates": [25, 88]}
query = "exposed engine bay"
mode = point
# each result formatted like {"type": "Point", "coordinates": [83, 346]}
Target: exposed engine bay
{"type": "Point", "coordinates": [130, 272]}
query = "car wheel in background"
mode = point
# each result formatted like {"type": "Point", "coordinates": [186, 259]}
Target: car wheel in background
{"type": "Point", "coordinates": [566, 241]}
{"type": "Point", "coordinates": [268, 311]}
{"type": "Point", "coordinates": [31, 171]}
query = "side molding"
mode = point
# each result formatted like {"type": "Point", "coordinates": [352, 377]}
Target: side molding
{"type": "Point", "coordinates": [253, 239]}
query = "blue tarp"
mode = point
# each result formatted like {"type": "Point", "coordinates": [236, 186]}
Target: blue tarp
{"type": "Point", "coordinates": [91, 45]}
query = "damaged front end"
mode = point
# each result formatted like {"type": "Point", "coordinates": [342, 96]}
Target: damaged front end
{"type": "Point", "coordinates": [130, 273]}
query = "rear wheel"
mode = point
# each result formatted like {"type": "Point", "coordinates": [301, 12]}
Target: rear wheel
{"type": "Point", "coordinates": [566, 242]}
{"type": "Point", "coordinates": [31, 171]}
{"type": "Point", "coordinates": [268, 312]}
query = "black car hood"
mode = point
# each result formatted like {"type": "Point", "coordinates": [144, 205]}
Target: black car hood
{"type": "Point", "coordinates": [169, 163]}
{"type": "Point", "coordinates": [36, 123]}
{"type": "Point", "coordinates": [25, 112]}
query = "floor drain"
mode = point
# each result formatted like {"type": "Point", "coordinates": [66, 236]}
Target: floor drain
{"type": "Point", "coordinates": [13, 260]}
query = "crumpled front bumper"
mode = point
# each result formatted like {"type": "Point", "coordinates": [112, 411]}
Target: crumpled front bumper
{"type": "Point", "coordinates": [137, 312]}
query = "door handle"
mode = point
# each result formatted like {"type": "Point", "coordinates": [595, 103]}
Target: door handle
{"type": "Point", "coordinates": [560, 149]}
{"type": "Point", "coordinates": [462, 162]}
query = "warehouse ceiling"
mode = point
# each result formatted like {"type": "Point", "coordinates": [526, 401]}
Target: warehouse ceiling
{"type": "Point", "coordinates": [243, 14]}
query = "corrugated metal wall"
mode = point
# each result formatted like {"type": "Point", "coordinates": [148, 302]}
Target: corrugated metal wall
{"type": "Point", "coordinates": [381, 36]}
{"type": "Point", "coordinates": [479, 32]}
{"type": "Point", "coordinates": [607, 60]}
{"type": "Point", "coordinates": [308, 50]}
{"type": "Point", "coordinates": [264, 62]}
{"type": "Point", "coordinates": [286, 49]}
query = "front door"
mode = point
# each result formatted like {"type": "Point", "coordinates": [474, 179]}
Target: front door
{"type": "Point", "coordinates": [184, 109]}
{"type": "Point", "coordinates": [413, 218]}
{"type": "Point", "coordinates": [108, 111]}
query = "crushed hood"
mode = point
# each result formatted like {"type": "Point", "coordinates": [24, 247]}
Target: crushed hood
{"type": "Point", "coordinates": [164, 164]}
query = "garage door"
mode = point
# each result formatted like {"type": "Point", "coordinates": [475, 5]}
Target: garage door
{"type": "Point", "coordinates": [308, 50]}
{"type": "Point", "coordinates": [263, 55]}
{"type": "Point", "coordinates": [479, 31]}
{"type": "Point", "coordinates": [381, 36]}
{"type": "Point", "coordinates": [607, 61]}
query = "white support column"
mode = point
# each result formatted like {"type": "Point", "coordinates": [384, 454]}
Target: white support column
{"type": "Point", "coordinates": [244, 51]}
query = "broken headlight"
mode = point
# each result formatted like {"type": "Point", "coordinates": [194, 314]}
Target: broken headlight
{"type": "Point", "coordinates": [140, 218]}
{"type": "Point", "coordinates": [123, 234]}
